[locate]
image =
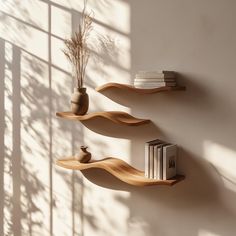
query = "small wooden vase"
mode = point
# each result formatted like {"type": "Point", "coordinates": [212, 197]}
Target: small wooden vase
{"type": "Point", "coordinates": [79, 101]}
{"type": "Point", "coordinates": [84, 156]}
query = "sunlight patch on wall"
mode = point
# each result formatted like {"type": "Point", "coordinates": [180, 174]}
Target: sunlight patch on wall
{"type": "Point", "coordinates": [223, 159]}
{"type": "Point", "coordinates": [65, 137]}
{"type": "Point", "coordinates": [119, 47]}
{"type": "Point", "coordinates": [58, 58]}
{"type": "Point", "coordinates": [106, 12]}
{"type": "Point", "coordinates": [60, 21]}
{"type": "Point", "coordinates": [35, 201]}
{"type": "Point", "coordinates": [31, 11]}
{"type": "Point", "coordinates": [114, 14]}
{"type": "Point", "coordinates": [203, 232]}
{"type": "Point", "coordinates": [30, 39]}
{"type": "Point", "coordinates": [102, 146]}
{"type": "Point", "coordinates": [106, 212]}
{"type": "Point", "coordinates": [69, 4]}
{"type": "Point", "coordinates": [138, 227]}
{"type": "Point", "coordinates": [8, 142]}
{"type": "Point", "coordinates": [62, 196]}
{"type": "Point", "coordinates": [114, 63]}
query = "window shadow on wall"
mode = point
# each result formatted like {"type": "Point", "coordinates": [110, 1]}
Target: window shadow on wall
{"type": "Point", "coordinates": [28, 102]}
{"type": "Point", "coordinates": [190, 201]}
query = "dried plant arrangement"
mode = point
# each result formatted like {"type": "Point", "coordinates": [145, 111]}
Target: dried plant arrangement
{"type": "Point", "coordinates": [77, 47]}
{"type": "Point", "coordinates": [78, 50]}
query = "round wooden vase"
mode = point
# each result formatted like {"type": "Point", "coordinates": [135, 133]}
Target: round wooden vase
{"type": "Point", "coordinates": [79, 101]}
{"type": "Point", "coordinates": [84, 156]}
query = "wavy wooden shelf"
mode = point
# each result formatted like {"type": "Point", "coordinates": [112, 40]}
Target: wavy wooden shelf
{"type": "Point", "coordinates": [119, 169]}
{"type": "Point", "coordinates": [109, 86]}
{"type": "Point", "coordinates": [115, 116]}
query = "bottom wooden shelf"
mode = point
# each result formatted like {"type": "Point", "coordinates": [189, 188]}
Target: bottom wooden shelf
{"type": "Point", "coordinates": [119, 169]}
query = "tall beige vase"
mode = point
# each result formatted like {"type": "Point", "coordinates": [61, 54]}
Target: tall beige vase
{"type": "Point", "coordinates": [79, 101]}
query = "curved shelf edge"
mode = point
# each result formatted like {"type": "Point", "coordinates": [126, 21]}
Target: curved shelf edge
{"type": "Point", "coordinates": [114, 116]}
{"type": "Point", "coordinates": [119, 169]}
{"type": "Point", "coordinates": [138, 90]}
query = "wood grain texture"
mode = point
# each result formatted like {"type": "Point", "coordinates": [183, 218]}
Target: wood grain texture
{"type": "Point", "coordinates": [137, 90]}
{"type": "Point", "coordinates": [114, 116]}
{"type": "Point", "coordinates": [119, 169]}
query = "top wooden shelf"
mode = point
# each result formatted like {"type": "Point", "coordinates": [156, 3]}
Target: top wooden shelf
{"type": "Point", "coordinates": [109, 86]}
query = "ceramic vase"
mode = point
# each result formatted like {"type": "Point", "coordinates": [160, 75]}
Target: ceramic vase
{"type": "Point", "coordinates": [79, 101]}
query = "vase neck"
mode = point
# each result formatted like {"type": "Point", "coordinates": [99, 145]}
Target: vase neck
{"type": "Point", "coordinates": [84, 148]}
{"type": "Point", "coordinates": [81, 90]}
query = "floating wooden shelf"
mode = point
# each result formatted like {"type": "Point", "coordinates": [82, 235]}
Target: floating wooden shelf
{"type": "Point", "coordinates": [115, 116]}
{"type": "Point", "coordinates": [120, 170]}
{"type": "Point", "coordinates": [109, 86]}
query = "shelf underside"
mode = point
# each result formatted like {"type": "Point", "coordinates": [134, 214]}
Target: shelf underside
{"type": "Point", "coordinates": [114, 116]}
{"type": "Point", "coordinates": [119, 169]}
{"type": "Point", "coordinates": [109, 86]}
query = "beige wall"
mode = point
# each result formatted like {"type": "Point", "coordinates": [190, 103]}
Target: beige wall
{"type": "Point", "coordinates": [196, 39]}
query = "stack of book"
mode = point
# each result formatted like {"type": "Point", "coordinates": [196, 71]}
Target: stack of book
{"type": "Point", "coordinates": [154, 79]}
{"type": "Point", "coordinates": [160, 160]}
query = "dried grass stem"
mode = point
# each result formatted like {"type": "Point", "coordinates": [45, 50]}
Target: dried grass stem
{"type": "Point", "coordinates": [77, 49]}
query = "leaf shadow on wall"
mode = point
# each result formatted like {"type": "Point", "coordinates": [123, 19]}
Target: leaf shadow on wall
{"type": "Point", "coordinates": [31, 101]}
{"type": "Point", "coordinates": [20, 210]}
{"type": "Point", "coordinates": [25, 184]}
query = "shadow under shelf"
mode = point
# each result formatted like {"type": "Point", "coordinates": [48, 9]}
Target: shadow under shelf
{"type": "Point", "coordinates": [120, 170]}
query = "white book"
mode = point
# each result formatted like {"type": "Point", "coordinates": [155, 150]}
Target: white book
{"type": "Point", "coordinates": [156, 74]}
{"type": "Point", "coordinates": [149, 158]}
{"type": "Point", "coordinates": [151, 80]}
{"type": "Point", "coordinates": [153, 87]}
{"type": "Point", "coordinates": [169, 161]}
{"type": "Point", "coordinates": [166, 72]}
{"type": "Point", "coordinates": [158, 161]}
{"type": "Point", "coordinates": [147, 174]}
{"type": "Point", "coordinates": [155, 83]}
{"type": "Point", "coordinates": [160, 76]}
{"type": "Point", "coordinates": [155, 165]}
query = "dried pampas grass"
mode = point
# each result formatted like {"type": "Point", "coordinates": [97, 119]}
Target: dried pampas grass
{"type": "Point", "coordinates": [77, 48]}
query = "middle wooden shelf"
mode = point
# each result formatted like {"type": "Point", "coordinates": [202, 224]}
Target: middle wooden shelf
{"type": "Point", "coordinates": [114, 116]}
{"type": "Point", "coordinates": [120, 169]}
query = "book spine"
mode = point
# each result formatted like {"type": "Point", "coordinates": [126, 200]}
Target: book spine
{"type": "Point", "coordinates": [153, 80]}
{"type": "Point", "coordinates": [151, 159]}
{"type": "Point", "coordinates": [155, 163]}
{"type": "Point", "coordinates": [164, 74]}
{"type": "Point", "coordinates": [155, 76]}
{"type": "Point", "coordinates": [147, 162]}
{"type": "Point", "coordinates": [154, 83]}
{"type": "Point", "coordinates": [164, 164]}
{"type": "Point", "coordinates": [153, 86]}
{"type": "Point", "coordinates": [160, 163]}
